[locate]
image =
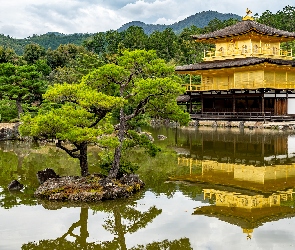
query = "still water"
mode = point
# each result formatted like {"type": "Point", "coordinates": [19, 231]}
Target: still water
{"type": "Point", "coordinates": [208, 189]}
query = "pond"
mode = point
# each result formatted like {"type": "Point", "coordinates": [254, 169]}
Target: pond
{"type": "Point", "coordinates": [207, 189]}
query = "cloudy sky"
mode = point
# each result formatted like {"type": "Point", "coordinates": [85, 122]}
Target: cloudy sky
{"type": "Point", "coordinates": [23, 18]}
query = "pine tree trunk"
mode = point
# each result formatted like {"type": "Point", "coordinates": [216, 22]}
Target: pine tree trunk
{"type": "Point", "coordinates": [117, 157]}
{"type": "Point", "coordinates": [19, 107]}
{"type": "Point", "coordinates": [83, 159]}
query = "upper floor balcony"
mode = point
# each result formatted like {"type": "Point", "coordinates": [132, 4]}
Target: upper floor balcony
{"type": "Point", "coordinates": [246, 85]}
{"type": "Point", "coordinates": [255, 51]}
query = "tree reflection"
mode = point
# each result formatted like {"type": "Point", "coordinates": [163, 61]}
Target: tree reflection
{"type": "Point", "coordinates": [21, 161]}
{"type": "Point", "coordinates": [123, 218]}
{"type": "Point", "coordinates": [10, 169]}
{"type": "Point", "coordinates": [182, 244]}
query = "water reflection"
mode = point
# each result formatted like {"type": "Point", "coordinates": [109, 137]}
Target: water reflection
{"type": "Point", "coordinates": [249, 178]}
{"type": "Point", "coordinates": [220, 186]}
{"type": "Point", "coordinates": [122, 219]}
{"type": "Point", "coordinates": [247, 211]}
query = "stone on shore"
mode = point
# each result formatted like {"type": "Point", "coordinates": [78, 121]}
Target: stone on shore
{"type": "Point", "coordinates": [9, 131]}
{"type": "Point", "coordinates": [45, 174]}
{"type": "Point", "coordinates": [162, 137]}
{"type": "Point", "coordinates": [15, 186]}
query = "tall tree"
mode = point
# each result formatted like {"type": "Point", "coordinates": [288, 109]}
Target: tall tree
{"type": "Point", "coordinates": [147, 85]}
{"type": "Point", "coordinates": [113, 40]}
{"type": "Point", "coordinates": [165, 43]}
{"type": "Point", "coordinates": [21, 84]}
{"type": "Point", "coordinates": [63, 55]}
{"type": "Point", "coordinates": [189, 51]}
{"type": "Point", "coordinates": [79, 117]}
{"type": "Point", "coordinates": [283, 19]}
{"type": "Point", "coordinates": [97, 43]}
{"type": "Point", "coordinates": [7, 55]}
{"type": "Point", "coordinates": [33, 52]}
{"type": "Point", "coordinates": [134, 38]}
{"type": "Point", "coordinates": [76, 68]}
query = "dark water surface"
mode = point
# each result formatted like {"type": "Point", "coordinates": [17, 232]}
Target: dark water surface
{"type": "Point", "coordinates": [208, 189]}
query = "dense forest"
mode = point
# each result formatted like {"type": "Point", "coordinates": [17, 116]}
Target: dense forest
{"type": "Point", "coordinates": [49, 40]}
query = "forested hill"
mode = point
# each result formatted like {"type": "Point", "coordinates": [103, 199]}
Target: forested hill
{"type": "Point", "coordinates": [49, 40]}
{"type": "Point", "coordinates": [199, 20]}
{"type": "Point", "coordinates": [54, 39]}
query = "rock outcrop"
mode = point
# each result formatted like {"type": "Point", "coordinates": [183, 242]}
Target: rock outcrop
{"type": "Point", "coordinates": [15, 186]}
{"type": "Point", "coordinates": [46, 174]}
{"type": "Point", "coordinates": [9, 131]}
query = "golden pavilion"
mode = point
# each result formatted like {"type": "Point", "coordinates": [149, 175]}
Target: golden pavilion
{"type": "Point", "coordinates": [247, 74]}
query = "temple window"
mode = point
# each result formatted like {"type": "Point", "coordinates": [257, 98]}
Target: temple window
{"type": "Point", "coordinates": [267, 48]}
{"type": "Point", "coordinates": [207, 80]}
{"type": "Point", "coordinates": [231, 46]}
{"type": "Point", "coordinates": [255, 49]}
{"type": "Point", "coordinates": [221, 50]}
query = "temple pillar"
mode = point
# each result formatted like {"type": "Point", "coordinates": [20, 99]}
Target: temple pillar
{"type": "Point", "coordinates": [234, 103]}
{"type": "Point", "coordinates": [190, 105]}
{"type": "Point", "coordinates": [202, 103]}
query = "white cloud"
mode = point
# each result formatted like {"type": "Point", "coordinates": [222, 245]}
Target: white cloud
{"type": "Point", "coordinates": [81, 16]}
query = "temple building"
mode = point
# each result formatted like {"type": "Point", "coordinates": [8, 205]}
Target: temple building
{"type": "Point", "coordinates": [248, 74]}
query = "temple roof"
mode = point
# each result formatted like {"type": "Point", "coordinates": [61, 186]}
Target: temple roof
{"type": "Point", "coordinates": [244, 27]}
{"type": "Point", "coordinates": [230, 63]}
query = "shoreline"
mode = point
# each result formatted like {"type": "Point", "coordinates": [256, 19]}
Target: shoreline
{"type": "Point", "coordinates": [9, 131]}
{"type": "Point", "coordinates": [288, 125]}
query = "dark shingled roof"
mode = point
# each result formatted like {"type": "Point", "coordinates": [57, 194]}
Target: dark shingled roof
{"type": "Point", "coordinates": [245, 27]}
{"type": "Point", "coordinates": [230, 63]}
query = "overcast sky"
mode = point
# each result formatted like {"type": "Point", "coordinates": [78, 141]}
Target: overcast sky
{"type": "Point", "coordinates": [23, 18]}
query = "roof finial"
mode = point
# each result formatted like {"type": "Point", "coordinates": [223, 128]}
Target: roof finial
{"type": "Point", "coordinates": [248, 17]}
{"type": "Point", "coordinates": [248, 232]}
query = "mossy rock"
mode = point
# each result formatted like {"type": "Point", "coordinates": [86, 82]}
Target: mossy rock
{"type": "Point", "coordinates": [88, 189]}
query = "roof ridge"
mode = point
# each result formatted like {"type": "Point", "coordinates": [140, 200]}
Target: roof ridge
{"type": "Point", "coordinates": [229, 63]}
{"type": "Point", "coordinates": [244, 26]}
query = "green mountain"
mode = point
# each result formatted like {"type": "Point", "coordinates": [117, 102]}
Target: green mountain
{"type": "Point", "coordinates": [199, 20]}
{"type": "Point", "coordinates": [54, 39]}
{"type": "Point", "coordinates": [49, 40]}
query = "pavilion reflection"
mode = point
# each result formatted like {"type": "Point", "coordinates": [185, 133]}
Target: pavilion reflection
{"type": "Point", "coordinates": [231, 145]}
{"type": "Point", "coordinates": [247, 211]}
{"type": "Point", "coordinates": [249, 180]}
